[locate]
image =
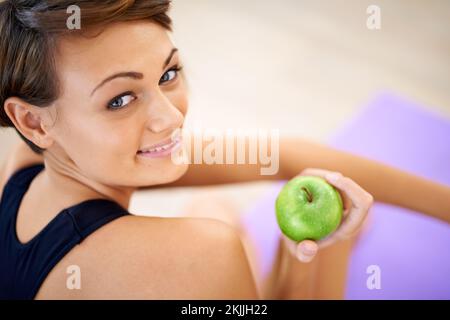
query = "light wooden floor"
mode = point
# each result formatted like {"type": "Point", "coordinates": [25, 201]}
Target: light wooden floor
{"type": "Point", "coordinates": [303, 67]}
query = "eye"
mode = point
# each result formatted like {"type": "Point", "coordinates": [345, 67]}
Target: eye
{"type": "Point", "coordinates": [170, 75]}
{"type": "Point", "coordinates": [121, 101]}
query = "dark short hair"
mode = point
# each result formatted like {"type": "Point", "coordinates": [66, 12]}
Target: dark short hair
{"type": "Point", "coordinates": [28, 31]}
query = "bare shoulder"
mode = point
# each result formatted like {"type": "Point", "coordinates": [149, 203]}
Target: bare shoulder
{"type": "Point", "coordinates": [137, 257]}
{"type": "Point", "coordinates": [19, 157]}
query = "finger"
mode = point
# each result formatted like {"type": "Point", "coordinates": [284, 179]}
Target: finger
{"type": "Point", "coordinates": [306, 251]}
{"type": "Point", "coordinates": [361, 203]}
{"type": "Point", "coordinates": [346, 201]}
{"type": "Point", "coordinates": [314, 172]}
{"type": "Point", "coordinates": [352, 224]}
{"type": "Point", "coordinates": [360, 200]}
{"type": "Point", "coordinates": [349, 188]}
{"type": "Point", "coordinates": [359, 197]}
{"type": "Point", "coordinates": [290, 244]}
{"type": "Point", "coordinates": [357, 203]}
{"type": "Point", "coordinates": [327, 241]}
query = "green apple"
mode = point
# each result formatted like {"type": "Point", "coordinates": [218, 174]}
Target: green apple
{"type": "Point", "coordinates": [308, 207]}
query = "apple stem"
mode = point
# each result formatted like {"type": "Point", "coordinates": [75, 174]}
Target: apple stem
{"type": "Point", "coordinates": [308, 194]}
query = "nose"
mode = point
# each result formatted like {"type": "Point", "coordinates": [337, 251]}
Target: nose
{"type": "Point", "coordinates": [163, 115]}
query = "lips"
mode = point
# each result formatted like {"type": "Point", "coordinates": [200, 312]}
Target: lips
{"type": "Point", "coordinates": [162, 148]}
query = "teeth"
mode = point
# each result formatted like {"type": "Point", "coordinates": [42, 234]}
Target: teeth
{"type": "Point", "coordinates": [167, 146]}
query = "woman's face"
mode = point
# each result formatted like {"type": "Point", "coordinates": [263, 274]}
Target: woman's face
{"type": "Point", "coordinates": [121, 92]}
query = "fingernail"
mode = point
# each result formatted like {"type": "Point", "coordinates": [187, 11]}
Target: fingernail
{"type": "Point", "coordinates": [304, 258]}
{"type": "Point", "coordinates": [332, 177]}
{"type": "Point", "coordinates": [306, 252]}
{"type": "Point", "coordinates": [307, 249]}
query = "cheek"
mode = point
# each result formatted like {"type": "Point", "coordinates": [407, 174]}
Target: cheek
{"type": "Point", "coordinates": [102, 149]}
{"type": "Point", "coordinates": [183, 105]}
{"type": "Point", "coordinates": [179, 98]}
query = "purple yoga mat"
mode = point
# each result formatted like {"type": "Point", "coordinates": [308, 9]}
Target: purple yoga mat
{"type": "Point", "coordinates": [410, 249]}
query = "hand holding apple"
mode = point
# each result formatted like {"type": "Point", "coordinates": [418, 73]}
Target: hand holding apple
{"type": "Point", "coordinates": [310, 208]}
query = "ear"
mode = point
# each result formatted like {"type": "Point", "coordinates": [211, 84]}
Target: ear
{"type": "Point", "coordinates": [31, 121]}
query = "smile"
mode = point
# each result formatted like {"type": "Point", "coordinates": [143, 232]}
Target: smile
{"type": "Point", "coordinates": [161, 150]}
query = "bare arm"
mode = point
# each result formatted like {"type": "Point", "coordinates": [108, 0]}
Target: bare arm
{"type": "Point", "coordinates": [386, 183]}
{"type": "Point", "coordinates": [211, 174]}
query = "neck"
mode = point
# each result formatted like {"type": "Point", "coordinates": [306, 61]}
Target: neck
{"type": "Point", "coordinates": [65, 181]}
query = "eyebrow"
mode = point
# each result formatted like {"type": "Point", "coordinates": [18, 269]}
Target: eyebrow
{"type": "Point", "coordinates": [133, 74]}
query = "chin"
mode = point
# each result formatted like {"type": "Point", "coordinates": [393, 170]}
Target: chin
{"type": "Point", "coordinates": [160, 175]}
{"type": "Point", "coordinates": [175, 173]}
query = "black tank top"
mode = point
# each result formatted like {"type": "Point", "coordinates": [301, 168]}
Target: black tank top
{"type": "Point", "coordinates": [24, 267]}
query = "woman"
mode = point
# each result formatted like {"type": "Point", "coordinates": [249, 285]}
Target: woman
{"type": "Point", "coordinates": [91, 105]}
